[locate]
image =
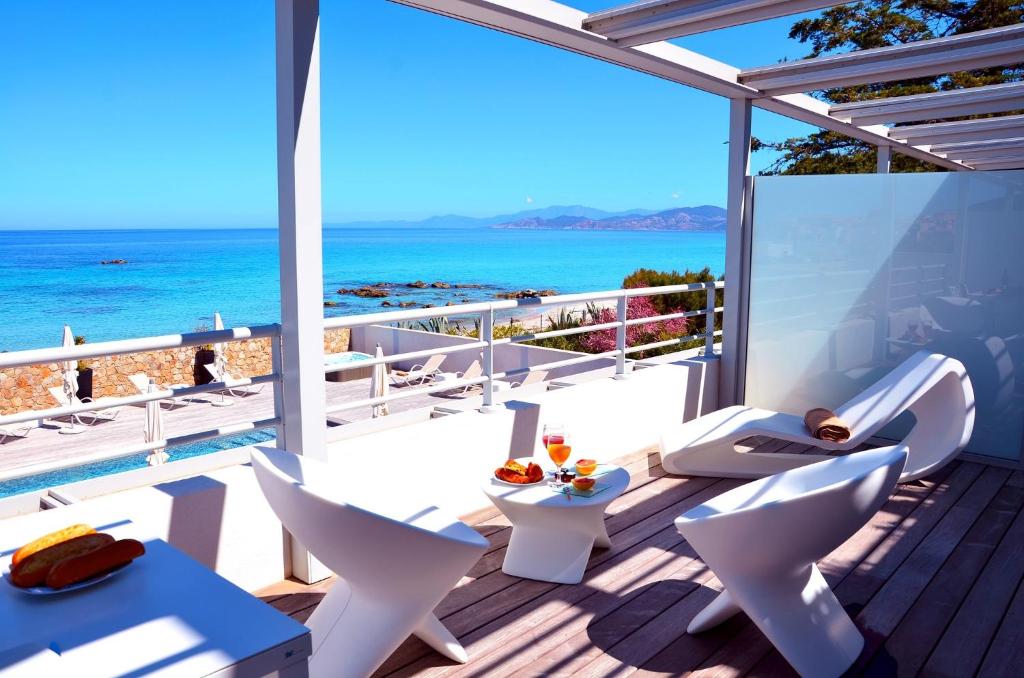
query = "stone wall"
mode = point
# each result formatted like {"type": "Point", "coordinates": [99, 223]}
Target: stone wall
{"type": "Point", "coordinates": [25, 388]}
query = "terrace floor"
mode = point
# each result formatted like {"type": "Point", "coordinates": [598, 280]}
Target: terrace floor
{"type": "Point", "coordinates": [933, 581]}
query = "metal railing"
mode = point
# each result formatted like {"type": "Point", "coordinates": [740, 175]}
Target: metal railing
{"type": "Point", "coordinates": [143, 345]}
{"type": "Point", "coordinates": [484, 314]}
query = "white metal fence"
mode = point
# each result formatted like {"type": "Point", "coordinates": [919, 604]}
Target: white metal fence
{"type": "Point", "coordinates": [484, 313]}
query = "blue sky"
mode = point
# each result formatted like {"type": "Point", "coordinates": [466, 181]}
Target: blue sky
{"type": "Point", "coordinates": [161, 114]}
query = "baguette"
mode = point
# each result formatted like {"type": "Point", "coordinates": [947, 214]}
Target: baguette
{"type": "Point", "coordinates": [32, 571]}
{"type": "Point", "coordinates": [88, 565]}
{"type": "Point", "coordinates": [51, 539]}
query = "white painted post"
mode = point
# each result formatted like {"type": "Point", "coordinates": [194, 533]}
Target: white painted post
{"type": "Point", "coordinates": [737, 257]}
{"type": "Point", "coordinates": [709, 322]}
{"type": "Point", "coordinates": [487, 334]}
{"type": "Point", "coordinates": [884, 159]}
{"type": "Point", "coordinates": [276, 366]}
{"type": "Point", "coordinates": [621, 313]}
{"type": "Point", "coordinates": [304, 416]}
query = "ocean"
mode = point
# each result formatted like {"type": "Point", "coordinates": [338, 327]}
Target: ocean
{"type": "Point", "coordinates": [175, 279]}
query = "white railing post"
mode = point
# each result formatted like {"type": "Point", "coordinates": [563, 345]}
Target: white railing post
{"type": "Point", "coordinates": [620, 336]}
{"type": "Point", "coordinates": [487, 335]}
{"type": "Point", "coordinates": [709, 323]}
{"type": "Point", "coordinates": [277, 368]}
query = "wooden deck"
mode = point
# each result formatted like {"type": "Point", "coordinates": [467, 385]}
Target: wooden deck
{"type": "Point", "coordinates": [46, 444]}
{"type": "Point", "coordinates": [933, 581]}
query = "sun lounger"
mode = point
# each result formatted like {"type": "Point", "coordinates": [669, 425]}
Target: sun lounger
{"type": "Point", "coordinates": [420, 374]}
{"type": "Point", "coordinates": [226, 377]}
{"type": "Point", "coordinates": [474, 370]}
{"type": "Point", "coordinates": [530, 379]}
{"type": "Point", "coordinates": [934, 387]}
{"type": "Point", "coordinates": [141, 383]}
{"type": "Point", "coordinates": [100, 411]}
{"type": "Point", "coordinates": [20, 432]}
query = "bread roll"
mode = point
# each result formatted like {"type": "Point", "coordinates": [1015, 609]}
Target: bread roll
{"type": "Point", "coordinates": [86, 566]}
{"type": "Point", "coordinates": [32, 571]}
{"type": "Point", "coordinates": [50, 540]}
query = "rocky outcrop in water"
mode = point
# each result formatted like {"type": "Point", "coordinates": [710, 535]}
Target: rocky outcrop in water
{"type": "Point", "coordinates": [113, 262]}
{"type": "Point", "coordinates": [526, 294]}
{"type": "Point", "coordinates": [365, 292]}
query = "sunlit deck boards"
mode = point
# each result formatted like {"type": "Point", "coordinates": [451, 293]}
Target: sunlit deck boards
{"type": "Point", "coordinates": [934, 581]}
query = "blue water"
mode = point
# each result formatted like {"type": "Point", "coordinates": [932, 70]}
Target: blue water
{"type": "Point", "coordinates": [176, 279]}
{"type": "Point", "coordinates": [73, 474]}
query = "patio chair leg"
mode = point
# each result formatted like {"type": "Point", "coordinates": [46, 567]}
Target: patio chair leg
{"type": "Point", "coordinates": [432, 632]}
{"type": "Point", "coordinates": [721, 608]}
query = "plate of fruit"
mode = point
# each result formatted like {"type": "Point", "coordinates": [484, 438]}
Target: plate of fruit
{"type": "Point", "coordinates": [69, 559]}
{"type": "Point", "coordinates": [519, 472]}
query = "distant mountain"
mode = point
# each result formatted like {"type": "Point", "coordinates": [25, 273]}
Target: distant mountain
{"type": "Point", "coordinates": [458, 221]}
{"type": "Point", "coordinates": [702, 218]}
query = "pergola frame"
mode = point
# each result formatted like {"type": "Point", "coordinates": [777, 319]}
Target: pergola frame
{"type": "Point", "coordinates": [775, 88]}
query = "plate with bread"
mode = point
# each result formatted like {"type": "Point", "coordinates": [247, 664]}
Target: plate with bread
{"type": "Point", "coordinates": [519, 472]}
{"type": "Point", "coordinates": [69, 559]}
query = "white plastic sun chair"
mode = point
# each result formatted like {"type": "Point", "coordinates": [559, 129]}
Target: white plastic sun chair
{"type": "Point", "coordinates": [474, 370]}
{"type": "Point", "coordinates": [395, 557]}
{"type": "Point", "coordinates": [20, 432]}
{"type": "Point", "coordinates": [934, 387]}
{"type": "Point", "coordinates": [530, 378]}
{"type": "Point", "coordinates": [226, 377]}
{"type": "Point", "coordinates": [100, 412]}
{"type": "Point", "coordinates": [420, 374]}
{"type": "Point", "coordinates": [762, 541]}
{"type": "Point", "coordinates": [141, 383]}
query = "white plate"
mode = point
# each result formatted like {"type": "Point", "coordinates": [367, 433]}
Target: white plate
{"type": "Point", "coordinates": [47, 591]}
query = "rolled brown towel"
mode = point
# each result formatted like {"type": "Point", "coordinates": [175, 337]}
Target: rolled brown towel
{"type": "Point", "coordinates": [825, 425]}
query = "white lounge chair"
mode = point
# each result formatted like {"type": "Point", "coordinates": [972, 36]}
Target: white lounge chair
{"type": "Point", "coordinates": [141, 383]}
{"type": "Point", "coordinates": [395, 559]}
{"type": "Point", "coordinates": [934, 387]}
{"type": "Point", "coordinates": [763, 538]}
{"type": "Point", "coordinates": [101, 411]}
{"type": "Point", "coordinates": [530, 378]}
{"type": "Point", "coordinates": [20, 432]}
{"type": "Point", "coordinates": [420, 374]}
{"type": "Point", "coordinates": [226, 377]}
{"type": "Point", "coordinates": [474, 370]}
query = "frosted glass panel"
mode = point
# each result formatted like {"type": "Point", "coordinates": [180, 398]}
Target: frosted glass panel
{"type": "Point", "coordinates": [852, 273]}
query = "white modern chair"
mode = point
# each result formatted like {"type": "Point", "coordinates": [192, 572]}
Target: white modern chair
{"type": "Point", "coordinates": [141, 383]}
{"type": "Point", "coordinates": [531, 378]}
{"type": "Point", "coordinates": [420, 374]}
{"type": "Point", "coordinates": [395, 558]}
{"type": "Point", "coordinates": [20, 432]}
{"type": "Point", "coordinates": [474, 370]}
{"type": "Point", "coordinates": [762, 541]}
{"type": "Point", "coordinates": [934, 387]}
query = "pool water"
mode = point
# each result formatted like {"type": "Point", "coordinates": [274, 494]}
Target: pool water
{"type": "Point", "coordinates": [345, 358]}
{"type": "Point", "coordinates": [97, 469]}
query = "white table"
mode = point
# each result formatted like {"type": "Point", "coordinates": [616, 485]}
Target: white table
{"type": "Point", "coordinates": [552, 535]}
{"type": "Point", "coordinates": [163, 615]}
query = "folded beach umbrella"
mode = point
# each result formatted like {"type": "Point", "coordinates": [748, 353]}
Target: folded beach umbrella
{"type": "Point", "coordinates": [67, 367]}
{"type": "Point", "coordinates": [379, 384]}
{"type": "Point", "coordinates": [219, 359]}
{"type": "Point", "coordinates": [154, 428]}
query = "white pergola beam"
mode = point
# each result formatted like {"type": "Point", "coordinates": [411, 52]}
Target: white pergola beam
{"type": "Point", "coordinates": [1016, 162]}
{"type": "Point", "coordinates": [981, 49]}
{"type": "Point", "coordinates": [981, 149]}
{"type": "Point", "coordinates": [934, 105]}
{"type": "Point", "coordinates": [560, 26]}
{"type": "Point", "coordinates": [978, 129]}
{"type": "Point", "coordinates": [649, 21]}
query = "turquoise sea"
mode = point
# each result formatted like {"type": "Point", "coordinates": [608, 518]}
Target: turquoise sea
{"type": "Point", "coordinates": [176, 279]}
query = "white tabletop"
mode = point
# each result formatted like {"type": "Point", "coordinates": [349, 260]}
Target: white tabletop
{"type": "Point", "coordinates": [614, 478]}
{"type": "Point", "coordinates": [165, 614]}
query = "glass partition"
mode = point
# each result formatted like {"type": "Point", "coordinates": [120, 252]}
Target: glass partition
{"type": "Point", "coordinates": [852, 273]}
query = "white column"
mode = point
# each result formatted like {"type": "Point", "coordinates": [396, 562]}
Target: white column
{"type": "Point", "coordinates": [737, 257]}
{"type": "Point", "coordinates": [884, 159]}
{"type": "Point", "coordinates": [303, 397]}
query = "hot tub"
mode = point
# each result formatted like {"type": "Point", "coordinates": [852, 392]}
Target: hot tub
{"type": "Point", "coordinates": [345, 358]}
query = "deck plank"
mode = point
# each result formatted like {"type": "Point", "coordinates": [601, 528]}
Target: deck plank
{"type": "Point", "coordinates": [907, 577]}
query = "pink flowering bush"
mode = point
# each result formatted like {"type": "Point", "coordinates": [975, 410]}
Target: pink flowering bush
{"type": "Point", "coordinates": [636, 335]}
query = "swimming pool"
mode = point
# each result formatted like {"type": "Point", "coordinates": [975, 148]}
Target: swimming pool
{"type": "Point", "coordinates": [97, 469]}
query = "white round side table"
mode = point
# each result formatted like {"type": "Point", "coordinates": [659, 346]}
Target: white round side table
{"type": "Point", "coordinates": [552, 534]}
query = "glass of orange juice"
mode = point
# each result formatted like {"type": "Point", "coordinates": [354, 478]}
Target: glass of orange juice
{"type": "Point", "coordinates": [559, 449]}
